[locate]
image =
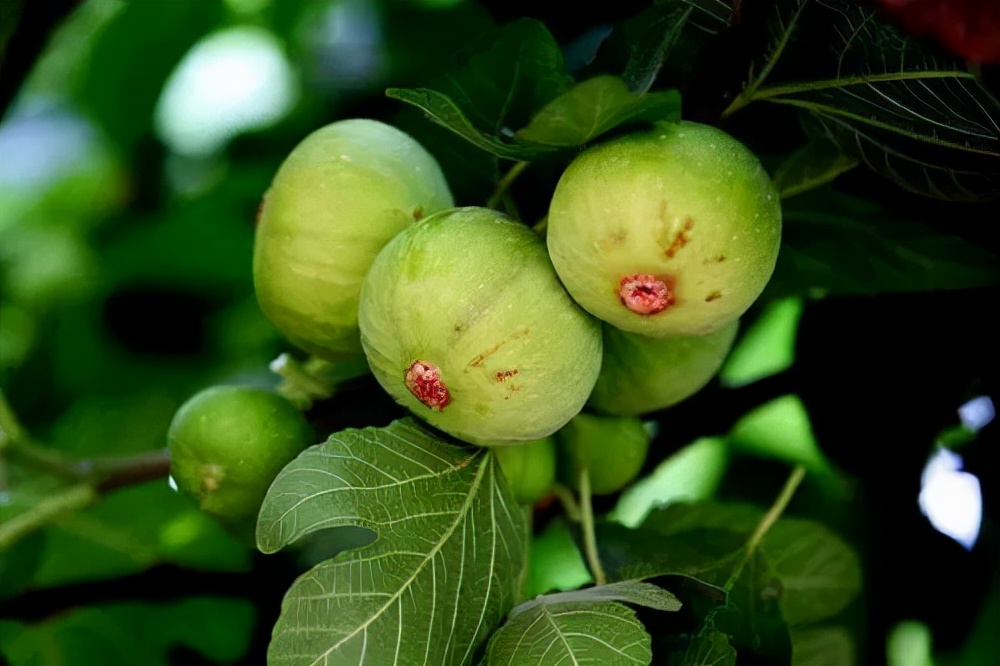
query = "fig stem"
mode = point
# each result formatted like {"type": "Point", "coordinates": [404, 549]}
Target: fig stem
{"type": "Point", "coordinates": [768, 521]}
{"type": "Point", "coordinates": [587, 524]}
{"type": "Point", "coordinates": [504, 184]}
{"type": "Point", "coordinates": [568, 501]}
{"type": "Point", "coordinates": [302, 383]}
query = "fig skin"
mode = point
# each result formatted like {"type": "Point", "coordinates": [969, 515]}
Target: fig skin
{"type": "Point", "coordinates": [341, 194]}
{"type": "Point", "coordinates": [530, 469]}
{"type": "Point", "coordinates": [612, 448]}
{"type": "Point", "coordinates": [464, 322]}
{"type": "Point", "coordinates": [227, 443]}
{"type": "Point", "coordinates": [671, 231]}
{"type": "Point", "coordinates": [641, 374]}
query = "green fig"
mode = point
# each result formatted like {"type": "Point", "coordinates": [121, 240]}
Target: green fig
{"type": "Point", "coordinates": [530, 468]}
{"type": "Point", "coordinates": [464, 322]}
{"type": "Point", "coordinates": [227, 443]}
{"type": "Point", "coordinates": [611, 448]}
{"type": "Point", "coordinates": [640, 374]}
{"type": "Point", "coordinates": [336, 200]}
{"type": "Point", "coordinates": [672, 231]}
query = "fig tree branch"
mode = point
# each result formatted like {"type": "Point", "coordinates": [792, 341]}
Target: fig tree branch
{"type": "Point", "coordinates": [88, 479]}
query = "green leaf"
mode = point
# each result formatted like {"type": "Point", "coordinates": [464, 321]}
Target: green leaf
{"type": "Point", "coordinates": [711, 648]}
{"type": "Point", "coordinates": [555, 562]}
{"type": "Point", "coordinates": [599, 633]}
{"type": "Point", "coordinates": [594, 107]}
{"type": "Point", "coordinates": [781, 429]}
{"type": "Point", "coordinates": [508, 74]}
{"type": "Point", "coordinates": [813, 573]}
{"type": "Point", "coordinates": [126, 634]}
{"type": "Point", "coordinates": [691, 474]}
{"type": "Point", "coordinates": [444, 111]}
{"type": "Point", "coordinates": [442, 572]}
{"type": "Point", "coordinates": [836, 244]}
{"type": "Point", "coordinates": [814, 164]}
{"type": "Point", "coordinates": [926, 124]}
{"type": "Point", "coordinates": [635, 592]}
{"type": "Point", "coordinates": [131, 530]}
{"type": "Point", "coordinates": [767, 347]}
{"type": "Point", "coordinates": [502, 79]}
{"type": "Point", "coordinates": [824, 646]}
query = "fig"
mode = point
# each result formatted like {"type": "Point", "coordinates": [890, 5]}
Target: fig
{"type": "Point", "coordinates": [464, 322]}
{"type": "Point", "coordinates": [641, 374]}
{"type": "Point", "coordinates": [530, 468]}
{"type": "Point", "coordinates": [612, 449]}
{"type": "Point", "coordinates": [227, 443]}
{"type": "Point", "coordinates": [670, 231]}
{"type": "Point", "coordinates": [336, 200]}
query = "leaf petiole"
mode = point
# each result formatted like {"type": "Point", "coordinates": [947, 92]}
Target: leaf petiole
{"type": "Point", "coordinates": [587, 524]}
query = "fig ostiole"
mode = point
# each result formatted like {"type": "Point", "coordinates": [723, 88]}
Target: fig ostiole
{"type": "Point", "coordinates": [640, 374]}
{"type": "Point", "coordinates": [611, 448]}
{"type": "Point", "coordinates": [530, 468]}
{"type": "Point", "coordinates": [671, 231]}
{"type": "Point", "coordinates": [337, 199]}
{"type": "Point", "coordinates": [227, 443]}
{"type": "Point", "coordinates": [464, 322]}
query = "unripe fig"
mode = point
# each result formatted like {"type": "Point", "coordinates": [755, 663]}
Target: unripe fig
{"type": "Point", "coordinates": [530, 468]}
{"type": "Point", "coordinates": [641, 374]}
{"type": "Point", "coordinates": [612, 449]}
{"type": "Point", "coordinates": [465, 322]}
{"type": "Point", "coordinates": [227, 443]}
{"type": "Point", "coordinates": [336, 200]}
{"type": "Point", "coordinates": [673, 231]}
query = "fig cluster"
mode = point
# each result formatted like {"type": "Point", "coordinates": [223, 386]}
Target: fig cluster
{"type": "Point", "coordinates": [656, 243]}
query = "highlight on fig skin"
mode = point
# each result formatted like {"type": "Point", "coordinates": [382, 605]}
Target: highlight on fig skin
{"type": "Point", "coordinates": [645, 294]}
{"type": "Point", "coordinates": [423, 380]}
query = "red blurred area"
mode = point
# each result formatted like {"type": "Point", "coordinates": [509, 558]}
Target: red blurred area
{"type": "Point", "coordinates": [967, 28]}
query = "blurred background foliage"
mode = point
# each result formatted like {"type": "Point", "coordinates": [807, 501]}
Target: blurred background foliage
{"type": "Point", "coordinates": [132, 159]}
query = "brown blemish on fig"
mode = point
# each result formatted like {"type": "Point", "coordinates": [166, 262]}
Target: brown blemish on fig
{"type": "Point", "coordinates": [477, 361]}
{"type": "Point", "coordinates": [715, 295]}
{"type": "Point", "coordinates": [504, 375]}
{"type": "Point", "coordinates": [645, 294]}
{"type": "Point", "coordinates": [719, 259]}
{"type": "Point", "coordinates": [424, 381]}
{"type": "Point", "coordinates": [680, 239]}
{"type": "Point", "coordinates": [418, 213]}
{"type": "Point", "coordinates": [612, 240]}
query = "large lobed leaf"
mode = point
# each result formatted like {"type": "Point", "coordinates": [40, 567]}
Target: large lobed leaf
{"type": "Point", "coordinates": [588, 626]}
{"type": "Point", "coordinates": [913, 116]}
{"type": "Point", "coordinates": [440, 576]}
{"type": "Point", "coordinates": [605, 633]}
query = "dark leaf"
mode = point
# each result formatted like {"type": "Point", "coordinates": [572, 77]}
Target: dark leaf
{"type": "Point", "coordinates": [836, 244]}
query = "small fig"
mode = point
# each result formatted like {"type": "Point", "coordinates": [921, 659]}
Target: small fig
{"type": "Point", "coordinates": [336, 200]}
{"type": "Point", "coordinates": [227, 443]}
{"type": "Point", "coordinates": [530, 468]}
{"type": "Point", "coordinates": [641, 374]}
{"type": "Point", "coordinates": [673, 231]}
{"type": "Point", "coordinates": [612, 449]}
{"type": "Point", "coordinates": [465, 323]}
